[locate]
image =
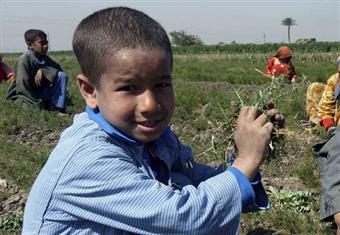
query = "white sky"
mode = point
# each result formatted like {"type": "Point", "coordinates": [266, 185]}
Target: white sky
{"type": "Point", "coordinates": [213, 21]}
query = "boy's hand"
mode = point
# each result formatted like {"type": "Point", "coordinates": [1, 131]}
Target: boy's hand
{"type": "Point", "coordinates": [38, 78]}
{"type": "Point", "coordinates": [252, 137]}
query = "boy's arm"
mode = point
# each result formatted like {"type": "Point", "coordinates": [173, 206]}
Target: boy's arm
{"type": "Point", "coordinates": [113, 191]}
{"type": "Point", "coordinates": [24, 75]}
{"type": "Point", "coordinates": [52, 63]}
{"type": "Point", "coordinates": [254, 196]}
{"type": "Point", "coordinates": [250, 125]}
{"type": "Point", "coordinates": [49, 73]}
{"type": "Point", "coordinates": [50, 69]}
{"type": "Point", "coordinates": [254, 126]}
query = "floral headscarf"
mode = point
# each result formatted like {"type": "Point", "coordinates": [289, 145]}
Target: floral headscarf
{"type": "Point", "coordinates": [283, 52]}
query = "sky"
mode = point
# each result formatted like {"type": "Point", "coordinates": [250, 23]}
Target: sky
{"type": "Point", "coordinates": [242, 21]}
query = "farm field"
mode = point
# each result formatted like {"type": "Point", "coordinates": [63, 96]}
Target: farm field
{"type": "Point", "coordinates": [207, 79]}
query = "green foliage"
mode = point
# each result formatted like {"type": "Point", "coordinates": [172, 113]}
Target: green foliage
{"type": "Point", "coordinates": [284, 222]}
{"type": "Point", "coordinates": [17, 158]}
{"type": "Point", "coordinates": [289, 21]}
{"type": "Point", "coordinates": [268, 94]}
{"type": "Point", "coordinates": [307, 170]}
{"type": "Point", "coordinates": [11, 223]}
{"type": "Point", "coordinates": [182, 38]}
{"type": "Point", "coordinates": [234, 73]}
{"type": "Point", "coordinates": [266, 48]}
{"type": "Point", "coordinates": [293, 201]}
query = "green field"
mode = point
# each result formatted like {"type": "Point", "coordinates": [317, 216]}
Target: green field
{"type": "Point", "coordinates": [206, 80]}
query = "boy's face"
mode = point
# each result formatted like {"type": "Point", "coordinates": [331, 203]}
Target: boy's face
{"type": "Point", "coordinates": [135, 93]}
{"type": "Point", "coordinates": [39, 46]}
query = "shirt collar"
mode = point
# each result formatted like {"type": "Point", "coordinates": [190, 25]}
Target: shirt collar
{"type": "Point", "coordinates": [39, 59]}
{"type": "Point", "coordinates": [96, 116]}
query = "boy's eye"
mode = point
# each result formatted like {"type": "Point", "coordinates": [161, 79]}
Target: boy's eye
{"type": "Point", "coordinates": [164, 84]}
{"type": "Point", "coordinates": [127, 88]}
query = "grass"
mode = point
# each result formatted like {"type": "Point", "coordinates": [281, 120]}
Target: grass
{"type": "Point", "coordinates": [204, 90]}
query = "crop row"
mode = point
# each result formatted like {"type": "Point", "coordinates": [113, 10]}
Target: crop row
{"type": "Point", "coordinates": [259, 48]}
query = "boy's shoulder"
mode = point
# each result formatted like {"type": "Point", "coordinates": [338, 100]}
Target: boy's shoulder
{"type": "Point", "coordinates": [44, 60]}
{"type": "Point", "coordinates": [82, 127]}
{"type": "Point", "coordinates": [24, 56]}
{"type": "Point", "coordinates": [85, 139]}
{"type": "Point", "coordinates": [24, 61]}
{"type": "Point", "coordinates": [27, 57]}
{"type": "Point", "coordinates": [85, 133]}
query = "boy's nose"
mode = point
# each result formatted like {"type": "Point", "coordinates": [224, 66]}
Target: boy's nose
{"type": "Point", "coordinates": [148, 102]}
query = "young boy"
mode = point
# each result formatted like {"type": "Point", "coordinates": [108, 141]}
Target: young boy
{"type": "Point", "coordinates": [39, 81]}
{"type": "Point", "coordinates": [119, 169]}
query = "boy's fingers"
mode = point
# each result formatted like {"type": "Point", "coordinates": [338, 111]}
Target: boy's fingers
{"type": "Point", "coordinates": [269, 126]}
{"type": "Point", "coordinates": [243, 112]}
{"type": "Point", "coordinates": [262, 119]}
{"type": "Point", "coordinates": [252, 113]}
{"type": "Point", "coordinates": [242, 115]}
{"type": "Point", "coordinates": [272, 112]}
{"type": "Point", "coordinates": [279, 117]}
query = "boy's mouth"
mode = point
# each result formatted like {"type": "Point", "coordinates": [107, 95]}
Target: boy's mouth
{"type": "Point", "coordinates": [149, 123]}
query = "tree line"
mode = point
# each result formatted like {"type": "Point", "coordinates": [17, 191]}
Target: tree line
{"type": "Point", "coordinates": [183, 38]}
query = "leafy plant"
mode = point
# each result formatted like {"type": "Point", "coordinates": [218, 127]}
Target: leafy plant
{"type": "Point", "coordinates": [12, 222]}
{"type": "Point", "coordinates": [294, 201]}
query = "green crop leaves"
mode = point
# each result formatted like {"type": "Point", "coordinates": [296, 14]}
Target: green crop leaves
{"type": "Point", "coordinates": [294, 201]}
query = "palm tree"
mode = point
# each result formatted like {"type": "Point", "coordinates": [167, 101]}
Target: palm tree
{"type": "Point", "coordinates": [289, 21]}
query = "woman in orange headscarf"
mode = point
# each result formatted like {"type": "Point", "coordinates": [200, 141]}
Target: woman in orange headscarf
{"type": "Point", "coordinates": [280, 65]}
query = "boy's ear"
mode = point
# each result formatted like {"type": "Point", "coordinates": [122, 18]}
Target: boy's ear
{"type": "Point", "coordinates": [87, 90]}
{"type": "Point", "coordinates": [29, 44]}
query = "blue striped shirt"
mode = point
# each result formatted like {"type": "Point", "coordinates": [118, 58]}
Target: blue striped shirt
{"type": "Point", "coordinates": [98, 181]}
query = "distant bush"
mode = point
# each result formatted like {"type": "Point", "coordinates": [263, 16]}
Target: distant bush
{"type": "Point", "coordinates": [182, 38]}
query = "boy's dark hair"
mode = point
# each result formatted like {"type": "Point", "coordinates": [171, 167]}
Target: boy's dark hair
{"type": "Point", "coordinates": [31, 35]}
{"type": "Point", "coordinates": [103, 33]}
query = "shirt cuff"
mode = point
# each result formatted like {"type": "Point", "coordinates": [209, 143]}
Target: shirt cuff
{"type": "Point", "coordinates": [254, 196]}
{"type": "Point", "coordinates": [247, 192]}
{"type": "Point", "coordinates": [261, 197]}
